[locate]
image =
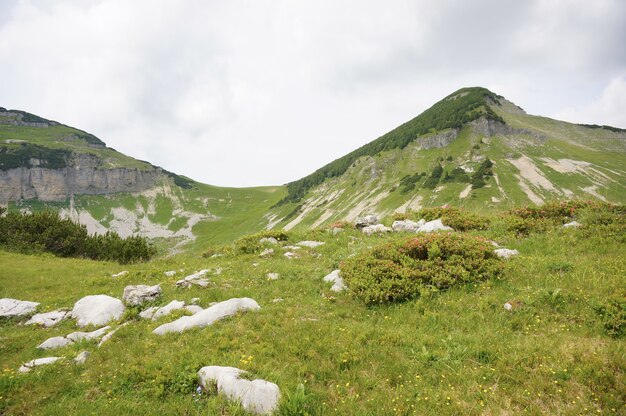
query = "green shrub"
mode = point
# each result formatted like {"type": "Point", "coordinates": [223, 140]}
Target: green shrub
{"type": "Point", "coordinates": [47, 232]}
{"type": "Point", "coordinates": [613, 315]}
{"type": "Point", "coordinates": [252, 243]}
{"type": "Point", "coordinates": [453, 217]}
{"type": "Point", "coordinates": [404, 270]}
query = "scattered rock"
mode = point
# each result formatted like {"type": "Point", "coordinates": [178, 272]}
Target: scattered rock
{"type": "Point", "coordinates": [194, 279]}
{"type": "Point", "coordinates": [434, 225]}
{"type": "Point", "coordinates": [512, 305]}
{"type": "Point", "coordinates": [493, 243]}
{"type": "Point", "coordinates": [54, 342]}
{"type": "Point", "coordinates": [97, 310]}
{"type": "Point", "coordinates": [37, 362]}
{"type": "Point", "coordinates": [79, 336]}
{"type": "Point", "coordinates": [82, 357]}
{"type": "Point", "coordinates": [268, 240]}
{"type": "Point", "coordinates": [208, 316]}
{"type": "Point", "coordinates": [377, 228]}
{"type": "Point", "coordinates": [170, 273]}
{"type": "Point", "coordinates": [310, 244]}
{"type": "Point", "coordinates": [505, 253]}
{"type": "Point", "coordinates": [335, 278]}
{"type": "Point", "coordinates": [291, 248]}
{"type": "Point", "coordinates": [267, 252]}
{"type": "Point", "coordinates": [407, 225]}
{"type": "Point", "coordinates": [167, 309]}
{"type": "Point", "coordinates": [48, 319]}
{"type": "Point", "coordinates": [14, 307]}
{"type": "Point", "coordinates": [290, 255]}
{"type": "Point", "coordinates": [256, 396]}
{"type": "Point", "coordinates": [362, 222]}
{"type": "Point", "coordinates": [120, 274]}
{"type": "Point", "coordinates": [573, 224]}
{"type": "Point", "coordinates": [272, 276]}
{"type": "Point", "coordinates": [136, 295]}
{"type": "Point", "coordinates": [148, 313]}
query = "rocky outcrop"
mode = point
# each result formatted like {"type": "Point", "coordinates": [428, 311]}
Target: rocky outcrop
{"type": "Point", "coordinates": [490, 128]}
{"type": "Point", "coordinates": [83, 175]}
{"type": "Point", "coordinates": [438, 140]}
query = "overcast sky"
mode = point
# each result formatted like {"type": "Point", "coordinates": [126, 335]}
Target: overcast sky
{"type": "Point", "coordinates": [242, 93]}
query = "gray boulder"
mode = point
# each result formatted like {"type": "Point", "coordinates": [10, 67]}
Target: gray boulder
{"type": "Point", "coordinates": [82, 357]}
{"type": "Point", "coordinates": [26, 367]}
{"type": "Point", "coordinates": [54, 342]}
{"type": "Point", "coordinates": [136, 295]}
{"type": "Point", "coordinates": [335, 278]}
{"type": "Point", "coordinates": [407, 225]}
{"type": "Point", "coordinates": [14, 307]}
{"type": "Point", "coordinates": [48, 319]}
{"type": "Point", "coordinates": [375, 229]}
{"type": "Point", "coordinates": [434, 225]}
{"type": "Point", "coordinates": [268, 240]}
{"type": "Point", "coordinates": [365, 221]}
{"type": "Point", "coordinates": [256, 396]}
{"type": "Point", "coordinates": [167, 309]}
{"type": "Point", "coordinates": [97, 310]}
{"type": "Point", "coordinates": [505, 253]}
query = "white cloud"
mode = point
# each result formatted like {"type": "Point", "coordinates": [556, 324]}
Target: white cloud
{"type": "Point", "coordinates": [264, 92]}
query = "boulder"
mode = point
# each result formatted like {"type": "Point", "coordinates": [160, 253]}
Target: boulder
{"type": "Point", "coordinates": [79, 336]}
{"type": "Point", "coordinates": [374, 229]}
{"type": "Point", "coordinates": [573, 224]}
{"type": "Point", "coordinates": [54, 342]}
{"type": "Point", "coordinates": [167, 309]}
{"type": "Point", "coordinates": [82, 357]}
{"type": "Point", "coordinates": [48, 319]}
{"type": "Point", "coordinates": [365, 221]}
{"type": "Point", "coordinates": [136, 295]}
{"type": "Point", "coordinates": [407, 225]}
{"type": "Point", "coordinates": [310, 244]}
{"type": "Point", "coordinates": [268, 240]}
{"type": "Point", "coordinates": [208, 316]}
{"type": "Point", "coordinates": [26, 367]}
{"type": "Point", "coordinates": [505, 253]}
{"type": "Point", "coordinates": [335, 278]}
{"type": "Point", "coordinates": [97, 310]}
{"type": "Point", "coordinates": [14, 307]}
{"type": "Point", "coordinates": [434, 225]}
{"type": "Point", "coordinates": [256, 396]}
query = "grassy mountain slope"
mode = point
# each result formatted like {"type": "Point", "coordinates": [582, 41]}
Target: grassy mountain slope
{"type": "Point", "coordinates": [448, 353]}
{"type": "Point", "coordinates": [535, 159]}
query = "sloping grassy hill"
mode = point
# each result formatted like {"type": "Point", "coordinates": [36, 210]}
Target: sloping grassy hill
{"type": "Point", "coordinates": [456, 351]}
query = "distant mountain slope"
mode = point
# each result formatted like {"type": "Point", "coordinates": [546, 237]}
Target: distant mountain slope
{"type": "Point", "coordinates": [473, 149]}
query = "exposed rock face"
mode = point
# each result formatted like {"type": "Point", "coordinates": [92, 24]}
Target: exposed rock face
{"type": "Point", "coordinates": [81, 176]}
{"type": "Point", "coordinates": [438, 140]}
{"type": "Point", "coordinates": [490, 128]}
{"type": "Point", "coordinates": [256, 396]}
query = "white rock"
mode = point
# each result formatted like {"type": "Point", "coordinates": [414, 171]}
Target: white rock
{"type": "Point", "coordinates": [54, 342]}
{"type": "Point", "coordinates": [110, 334]}
{"type": "Point", "coordinates": [48, 319]}
{"type": "Point", "coordinates": [195, 278]}
{"type": "Point", "coordinates": [256, 396]}
{"type": "Point", "coordinates": [136, 295]}
{"type": "Point", "coordinates": [194, 309]}
{"type": "Point", "coordinates": [268, 240]}
{"type": "Point", "coordinates": [14, 307]}
{"type": "Point", "coordinates": [37, 362]}
{"type": "Point", "coordinates": [148, 313]}
{"type": "Point", "coordinates": [97, 310]}
{"type": "Point", "coordinates": [290, 255]}
{"type": "Point", "coordinates": [434, 225]}
{"type": "Point", "coordinates": [82, 357]}
{"type": "Point", "coordinates": [170, 273]}
{"type": "Point", "coordinates": [573, 224]}
{"type": "Point", "coordinates": [407, 225]}
{"type": "Point", "coordinates": [365, 221]}
{"type": "Point", "coordinates": [79, 336]}
{"type": "Point", "coordinates": [493, 243]}
{"type": "Point", "coordinates": [310, 244]}
{"type": "Point", "coordinates": [200, 282]}
{"type": "Point", "coordinates": [120, 274]}
{"type": "Point", "coordinates": [291, 248]}
{"type": "Point", "coordinates": [167, 309]}
{"type": "Point", "coordinates": [208, 316]}
{"type": "Point", "coordinates": [272, 276]}
{"type": "Point", "coordinates": [377, 228]}
{"type": "Point", "coordinates": [336, 230]}
{"type": "Point", "coordinates": [267, 252]}
{"type": "Point", "coordinates": [335, 278]}
{"type": "Point", "coordinates": [505, 253]}
{"type": "Point", "coordinates": [508, 306]}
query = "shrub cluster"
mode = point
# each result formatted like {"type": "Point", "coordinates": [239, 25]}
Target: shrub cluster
{"type": "Point", "coordinates": [452, 217]}
{"type": "Point", "coordinates": [47, 232]}
{"type": "Point", "coordinates": [252, 243]}
{"type": "Point", "coordinates": [613, 315]}
{"type": "Point", "coordinates": [404, 270]}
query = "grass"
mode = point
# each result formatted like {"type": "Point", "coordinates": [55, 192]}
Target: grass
{"type": "Point", "coordinates": [455, 352]}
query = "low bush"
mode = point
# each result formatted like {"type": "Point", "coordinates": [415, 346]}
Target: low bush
{"type": "Point", "coordinates": [252, 243]}
{"type": "Point", "coordinates": [47, 232]}
{"type": "Point", "coordinates": [613, 315]}
{"type": "Point", "coordinates": [453, 217]}
{"type": "Point", "coordinates": [406, 269]}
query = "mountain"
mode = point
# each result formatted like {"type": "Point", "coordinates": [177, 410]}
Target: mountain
{"type": "Point", "coordinates": [473, 149]}
{"type": "Point", "coordinates": [47, 165]}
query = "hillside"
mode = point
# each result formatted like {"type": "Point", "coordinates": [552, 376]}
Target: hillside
{"type": "Point", "coordinates": [473, 149]}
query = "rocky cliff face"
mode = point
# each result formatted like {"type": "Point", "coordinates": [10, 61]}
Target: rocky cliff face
{"type": "Point", "coordinates": [81, 176]}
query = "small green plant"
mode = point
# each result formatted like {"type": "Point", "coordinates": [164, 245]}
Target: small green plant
{"type": "Point", "coordinates": [298, 403]}
{"type": "Point", "coordinates": [613, 315]}
{"type": "Point", "coordinates": [406, 269]}
{"type": "Point", "coordinates": [252, 243]}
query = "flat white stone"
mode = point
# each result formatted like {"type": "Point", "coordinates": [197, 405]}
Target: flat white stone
{"type": "Point", "coordinates": [434, 225]}
{"type": "Point", "coordinates": [376, 228]}
{"type": "Point", "coordinates": [407, 225]}
{"type": "Point", "coordinates": [120, 274]}
{"type": "Point", "coordinates": [97, 310]}
{"type": "Point", "coordinates": [208, 316]}
{"type": "Point", "coordinates": [268, 240]}
{"type": "Point", "coordinates": [310, 244]}
{"type": "Point", "coordinates": [48, 319]}
{"type": "Point", "coordinates": [54, 342]}
{"type": "Point", "coordinates": [167, 309]}
{"type": "Point", "coordinates": [14, 307]}
{"type": "Point", "coordinates": [335, 278]}
{"type": "Point", "coordinates": [110, 334]}
{"type": "Point", "coordinates": [272, 276]}
{"type": "Point", "coordinates": [573, 224]}
{"type": "Point", "coordinates": [505, 253]}
{"type": "Point", "coordinates": [136, 295]}
{"type": "Point", "coordinates": [37, 362]}
{"type": "Point", "coordinates": [256, 396]}
{"type": "Point", "coordinates": [79, 336]}
{"type": "Point", "coordinates": [82, 357]}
